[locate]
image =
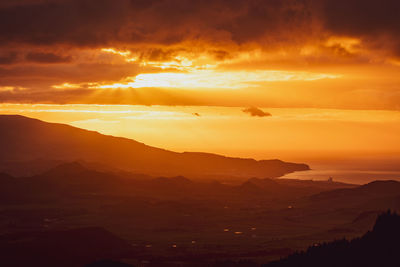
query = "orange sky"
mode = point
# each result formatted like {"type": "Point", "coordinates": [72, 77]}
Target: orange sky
{"type": "Point", "coordinates": [308, 135]}
{"type": "Point", "coordinates": [326, 70]}
{"type": "Point", "coordinates": [297, 53]}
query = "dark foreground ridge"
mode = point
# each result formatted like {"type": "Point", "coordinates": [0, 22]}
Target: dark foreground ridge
{"type": "Point", "coordinates": [63, 248]}
{"type": "Point", "coordinates": [24, 139]}
{"type": "Point", "coordinates": [73, 216]}
{"type": "Point", "coordinates": [379, 247]}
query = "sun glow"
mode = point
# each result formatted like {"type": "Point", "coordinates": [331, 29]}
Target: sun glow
{"type": "Point", "coordinates": [6, 88]}
{"type": "Point", "coordinates": [179, 63]}
{"type": "Point", "coordinates": [66, 86]}
{"type": "Point", "coordinates": [208, 79]}
{"type": "Point", "coordinates": [185, 71]}
{"type": "Point", "coordinates": [230, 131]}
{"type": "Point", "coordinates": [126, 54]}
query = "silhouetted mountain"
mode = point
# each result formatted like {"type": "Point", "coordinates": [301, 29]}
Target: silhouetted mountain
{"type": "Point", "coordinates": [380, 247]}
{"type": "Point", "coordinates": [28, 168]}
{"type": "Point", "coordinates": [374, 191]}
{"type": "Point", "coordinates": [67, 169]}
{"type": "Point", "coordinates": [259, 214]}
{"type": "Point", "coordinates": [77, 177]}
{"type": "Point", "coordinates": [322, 185]}
{"type": "Point", "coordinates": [23, 139]}
{"type": "Point", "coordinates": [69, 248]}
{"type": "Point", "coordinates": [381, 187]}
{"type": "Point", "coordinates": [73, 179]}
{"type": "Point", "coordinates": [292, 188]}
{"type": "Point", "coordinates": [178, 180]}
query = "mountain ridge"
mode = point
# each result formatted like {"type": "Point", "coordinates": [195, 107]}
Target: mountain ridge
{"type": "Point", "coordinates": [25, 139]}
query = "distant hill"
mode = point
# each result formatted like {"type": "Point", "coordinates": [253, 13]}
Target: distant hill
{"type": "Point", "coordinates": [73, 179]}
{"type": "Point", "coordinates": [375, 195]}
{"type": "Point", "coordinates": [380, 247]}
{"type": "Point", "coordinates": [24, 139]}
{"type": "Point", "coordinates": [291, 187]}
{"type": "Point", "coordinates": [155, 210]}
{"type": "Point", "coordinates": [375, 188]}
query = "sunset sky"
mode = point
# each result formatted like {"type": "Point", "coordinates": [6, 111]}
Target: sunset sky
{"type": "Point", "coordinates": [248, 78]}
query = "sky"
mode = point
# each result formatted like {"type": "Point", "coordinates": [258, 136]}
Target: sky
{"type": "Point", "coordinates": [338, 61]}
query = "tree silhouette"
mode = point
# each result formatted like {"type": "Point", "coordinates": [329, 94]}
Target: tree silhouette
{"type": "Point", "coordinates": [379, 247]}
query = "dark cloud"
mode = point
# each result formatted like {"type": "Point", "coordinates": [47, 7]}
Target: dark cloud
{"type": "Point", "coordinates": [47, 58]}
{"type": "Point", "coordinates": [377, 23]}
{"type": "Point", "coordinates": [196, 114]}
{"type": "Point", "coordinates": [43, 33]}
{"type": "Point", "coordinates": [362, 17]}
{"type": "Point", "coordinates": [100, 22]}
{"type": "Point", "coordinates": [256, 112]}
{"type": "Point", "coordinates": [42, 76]}
{"type": "Point", "coordinates": [8, 57]}
{"type": "Point", "coordinates": [85, 22]}
{"type": "Point", "coordinates": [269, 23]}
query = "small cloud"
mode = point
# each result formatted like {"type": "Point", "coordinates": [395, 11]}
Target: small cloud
{"type": "Point", "coordinates": [256, 112]}
{"type": "Point", "coordinates": [196, 114]}
{"type": "Point", "coordinates": [7, 88]}
{"type": "Point", "coordinates": [11, 89]}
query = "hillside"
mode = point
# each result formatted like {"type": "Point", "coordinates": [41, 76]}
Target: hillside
{"type": "Point", "coordinates": [257, 221]}
{"type": "Point", "coordinates": [73, 179]}
{"type": "Point", "coordinates": [379, 247]}
{"type": "Point", "coordinates": [25, 140]}
{"type": "Point", "coordinates": [375, 194]}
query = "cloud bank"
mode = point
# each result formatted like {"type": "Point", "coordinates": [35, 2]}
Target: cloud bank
{"type": "Point", "coordinates": [47, 43]}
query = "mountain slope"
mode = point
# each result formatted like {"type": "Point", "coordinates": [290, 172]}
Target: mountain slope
{"type": "Point", "coordinates": [70, 180]}
{"type": "Point", "coordinates": [26, 139]}
{"type": "Point", "coordinates": [380, 247]}
{"type": "Point", "coordinates": [371, 193]}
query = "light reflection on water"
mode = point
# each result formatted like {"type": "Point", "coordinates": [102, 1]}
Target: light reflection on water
{"type": "Point", "coordinates": [347, 176]}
